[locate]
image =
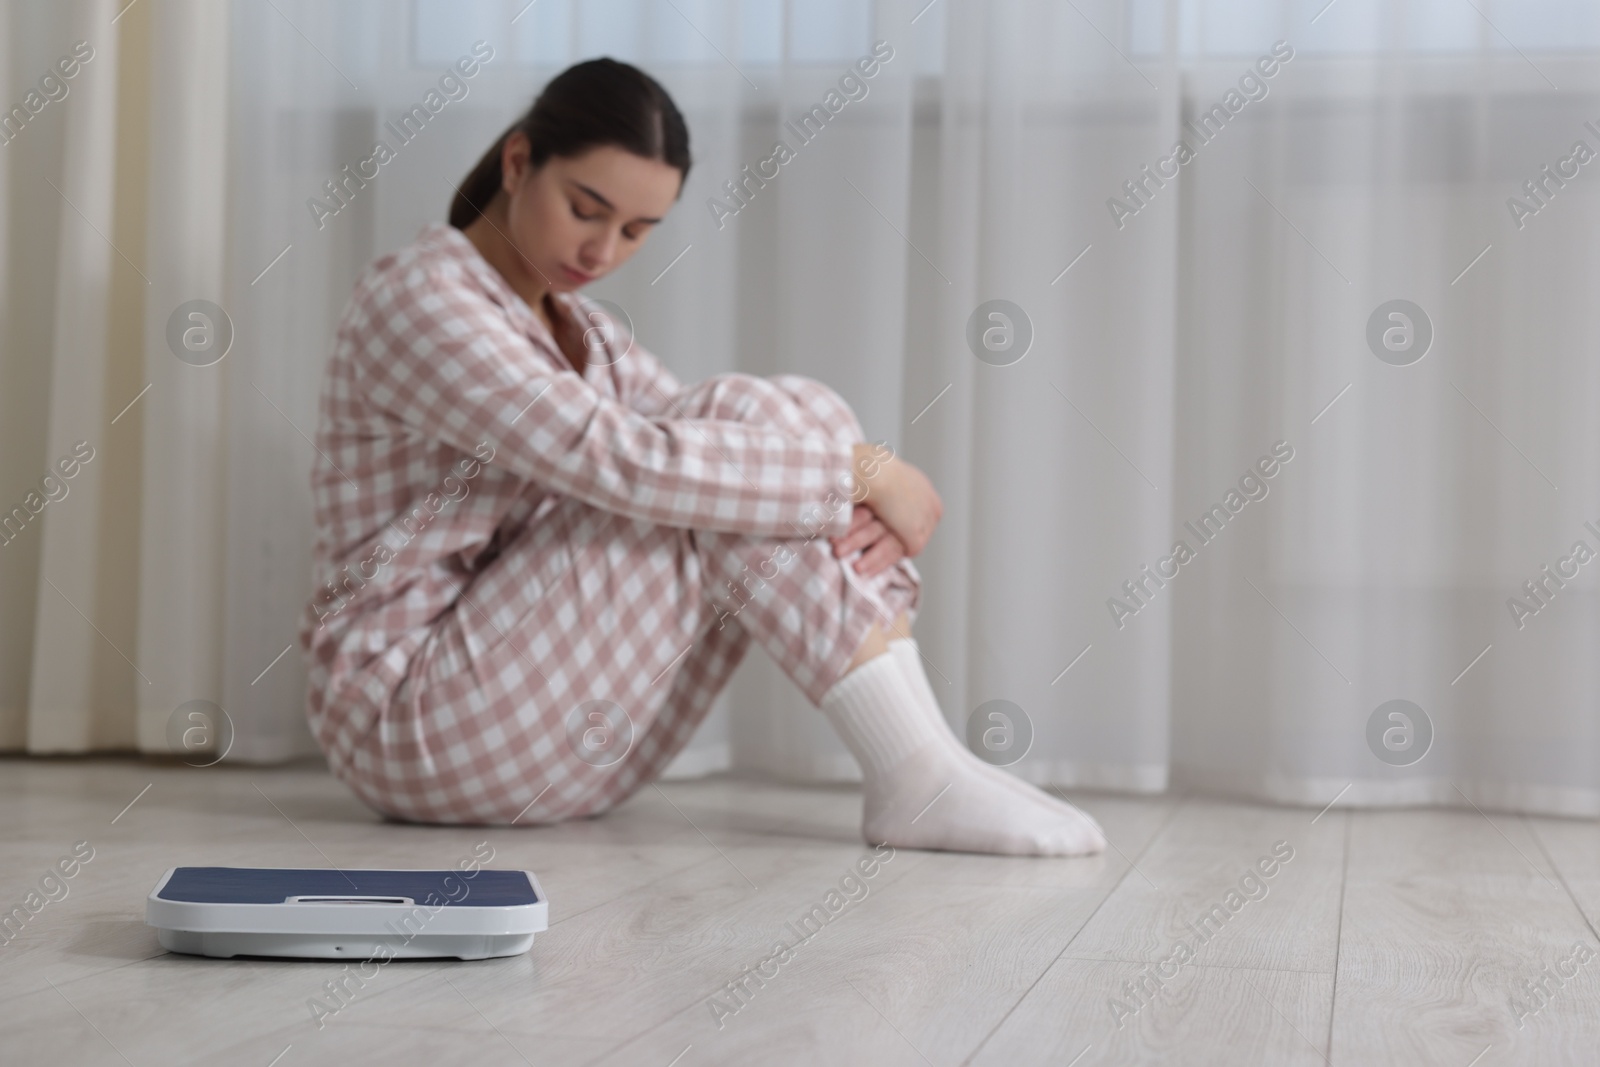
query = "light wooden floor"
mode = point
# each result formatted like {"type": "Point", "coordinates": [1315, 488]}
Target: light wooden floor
{"type": "Point", "coordinates": [1394, 937]}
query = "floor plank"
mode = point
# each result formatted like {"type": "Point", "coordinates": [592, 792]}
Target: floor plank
{"type": "Point", "coordinates": [1200, 883]}
{"type": "Point", "coordinates": [1082, 1014]}
{"type": "Point", "coordinates": [1446, 914]}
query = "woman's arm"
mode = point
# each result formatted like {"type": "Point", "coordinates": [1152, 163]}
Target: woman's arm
{"type": "Point", "coordinates": [442, 359]}
{"type": "Point", "coordinates": [899, 495]}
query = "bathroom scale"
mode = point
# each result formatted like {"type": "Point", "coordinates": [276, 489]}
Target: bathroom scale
{"type": "Point", "coordinates": [323, 913]}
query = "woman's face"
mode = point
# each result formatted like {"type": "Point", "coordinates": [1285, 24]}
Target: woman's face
{"type": "Point", "coordinates": [577, 219]}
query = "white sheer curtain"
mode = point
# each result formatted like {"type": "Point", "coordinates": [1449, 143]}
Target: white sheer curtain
{"type": "Point", "coordinates": [1175, 340]}
{"type": "Point", "coordinates": [1424, 498]}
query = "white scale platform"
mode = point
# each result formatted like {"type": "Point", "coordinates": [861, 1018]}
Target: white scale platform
{"type": "Point", "coordinates": [320, 913]}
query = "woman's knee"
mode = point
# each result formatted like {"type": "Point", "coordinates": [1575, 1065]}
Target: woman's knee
{"type": "Point", "coordinates": [823, 405]}
{"type": "Point", "coordinates": [789, 402]}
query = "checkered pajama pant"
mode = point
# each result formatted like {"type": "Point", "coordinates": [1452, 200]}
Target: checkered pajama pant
{"type": "Point", "coordinates": [580, 661]}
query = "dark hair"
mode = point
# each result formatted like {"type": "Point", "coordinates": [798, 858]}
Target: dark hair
{"type": "Point", "coordinates": [593, 103]}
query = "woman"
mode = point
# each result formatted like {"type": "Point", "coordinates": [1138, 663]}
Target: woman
{"type": "Point", "coordinates": [530, 533]}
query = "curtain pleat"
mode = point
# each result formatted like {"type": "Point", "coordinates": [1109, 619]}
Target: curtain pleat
{"type": "Point", "coordinates": [188, 425]}
{"type": "Point", "coordinates": [61, 712]}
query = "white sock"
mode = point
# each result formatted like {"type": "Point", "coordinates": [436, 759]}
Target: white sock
{"type": "Point", "coordinates": [908, 657]}
{"type": "Point", "coordinates": [878, 718]}
{"type": "Point", "coordinates": [918, 793]}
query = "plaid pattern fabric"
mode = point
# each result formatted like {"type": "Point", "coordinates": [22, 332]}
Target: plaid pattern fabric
{"type": "Point", "coordinates": [504, 546]}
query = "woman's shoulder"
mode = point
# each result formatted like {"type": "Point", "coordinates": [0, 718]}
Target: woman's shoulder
{"type": "Point", "coordinates": [436, 255]}
{"type": "Point", "coordinates": [436, 273]}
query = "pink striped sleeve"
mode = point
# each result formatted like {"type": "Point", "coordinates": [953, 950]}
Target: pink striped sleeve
{"type": "Point", "coordinates": [441, 358]}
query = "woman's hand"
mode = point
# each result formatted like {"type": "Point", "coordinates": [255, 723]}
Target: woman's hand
{"type": "Point", "coordinates": [882, 548]}
{"type": "Point", "coordinates": [900, 496]}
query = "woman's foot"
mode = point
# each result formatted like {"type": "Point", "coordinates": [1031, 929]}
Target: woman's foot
{"type": "Point", "coordinates": [923, 790]}
{"type": "Point", "coordinates": [935, 800]}
{"type": "Point", "coordinates": [908, 656]}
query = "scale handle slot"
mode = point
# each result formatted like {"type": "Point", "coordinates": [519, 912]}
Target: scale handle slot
{"type": "Point", "coordinates": [349, 899]}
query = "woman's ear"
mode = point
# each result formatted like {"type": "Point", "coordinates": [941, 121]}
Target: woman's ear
{"type": "Point", "coordinates": [514, 161]}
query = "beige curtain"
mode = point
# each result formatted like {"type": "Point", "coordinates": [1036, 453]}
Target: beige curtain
{"type": "Point", "coordinates": [113, 599]}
